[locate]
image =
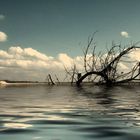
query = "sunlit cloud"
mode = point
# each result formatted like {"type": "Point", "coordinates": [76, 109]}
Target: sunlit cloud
{"type": "Point", "coordinates": [3, 37]}
{"type": "Point", "coordinates": [19, 63]}
{"type": "Point", "coordinates": [125, 34]}
{"type": "Point", "coordinates": [65, 59]}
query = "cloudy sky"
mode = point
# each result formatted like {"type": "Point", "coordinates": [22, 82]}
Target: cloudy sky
{"type": "Point", "coordinates": [39, 36]}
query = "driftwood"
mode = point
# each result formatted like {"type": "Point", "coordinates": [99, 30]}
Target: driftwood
{"type": "Point", "coordinates": [49, 79]}
{"type": "Point", "coordinates": [57, 79]}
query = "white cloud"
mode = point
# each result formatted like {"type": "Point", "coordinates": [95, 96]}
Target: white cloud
{"type": "Point", "coordinates": [16, 62]}
{"type": "Point", "coordinates": [65, 59]}
{"type": "Point", "coordinates": [125, 34]}
{"type": "Point", "coordinates": [29, 64]}
{"type": "Point", "coordinates": [135, 55]}
{"type": "Point", "coordinates": [4, 55]}
{"type": "Point", "coordinates": [122, 67]}
{"type": "Point", "coordinates": [2, 17]}
{"type": "Point", "coordinates": [3, 37]}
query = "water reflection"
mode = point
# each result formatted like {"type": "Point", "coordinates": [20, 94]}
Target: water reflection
{"type": "Point", "coordinates": [102, 94]}
{"type": "Point", "coordinates": [65, 112]}
{"type": "Point", "coordinates": [17, 125]}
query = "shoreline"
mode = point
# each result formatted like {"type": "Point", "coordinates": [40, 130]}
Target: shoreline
{"type": "Point", "coordinates": [32, 83]}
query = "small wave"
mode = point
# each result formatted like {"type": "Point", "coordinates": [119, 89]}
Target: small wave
{"type": "Point", "coordinates": [16, 131]}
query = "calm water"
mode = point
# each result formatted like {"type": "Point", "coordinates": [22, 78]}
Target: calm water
{"type": "Point", "coordinates": [70, 113]}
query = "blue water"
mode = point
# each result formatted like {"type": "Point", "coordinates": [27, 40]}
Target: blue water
{"type": "Point", "coordinates": [70, 113]}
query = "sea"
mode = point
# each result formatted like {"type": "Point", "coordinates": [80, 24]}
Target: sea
{"type": "Point", "coordinates": [64, 112]}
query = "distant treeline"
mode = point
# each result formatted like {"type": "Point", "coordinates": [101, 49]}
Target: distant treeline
{"type": "Point", "coordinates": [10, 81]}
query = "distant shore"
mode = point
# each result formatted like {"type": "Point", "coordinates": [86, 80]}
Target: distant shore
{"type": "Point", "coordinates": [18, 83]}
{"type": "Point", "coordinates": [4, 83]}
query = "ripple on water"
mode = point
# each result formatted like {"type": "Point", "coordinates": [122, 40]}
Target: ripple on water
{"type": "Point", "coordinates": [68, 113]}
{"type": "Point", "coordinates": [15, 128]}
{"type": "Point", "coordinates": [56, 122]}
{"type": "Point", "coordinates": [17, 131]}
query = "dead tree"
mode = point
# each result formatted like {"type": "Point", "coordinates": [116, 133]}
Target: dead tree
{"type": "Point", "coordinates": [106, 65]}
{"type": "Point", "coordinates": [57, 79]}
{"type": "Point", "coordinates": [104, 68]}
{"type": "Point", "coordinates": [72, 73]}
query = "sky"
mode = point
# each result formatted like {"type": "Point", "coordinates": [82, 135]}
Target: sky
{"type": "Point", "coordinates": [57, 30]}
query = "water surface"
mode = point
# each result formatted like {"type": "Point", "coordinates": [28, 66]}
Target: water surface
{"type": "Point", "coordinates": [70, 113]}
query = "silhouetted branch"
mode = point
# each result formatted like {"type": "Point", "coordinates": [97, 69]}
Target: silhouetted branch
{"type": "Point", "coordinates": [49, 79]}
{"type": "Point", "coordinates": [106, 66]}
